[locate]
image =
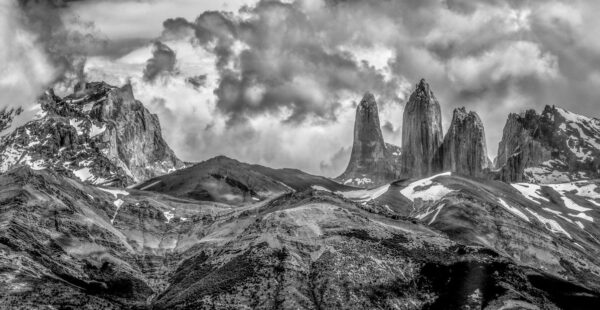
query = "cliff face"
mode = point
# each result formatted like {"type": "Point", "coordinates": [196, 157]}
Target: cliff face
{"type": "Point", "coordinates": [99, 134]}
{"type": "Point", "coordinates": [555, 146]}
{"type": "Point", "coordinates": [464, 149]}
{"type": "Point", "coordinates": [135, 141]}
{"type": "Point", "coordinates": [371, 162]}
{"type": "Point", "coordinates": [422, 133]}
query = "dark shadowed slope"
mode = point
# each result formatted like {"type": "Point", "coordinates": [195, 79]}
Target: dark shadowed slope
{"type": "Point", "coordinates": [227, 180]}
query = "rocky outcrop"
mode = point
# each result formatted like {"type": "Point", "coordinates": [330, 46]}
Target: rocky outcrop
{"type": "Point", "coordinates": [422, 133]}
{"type": "Point", "coordinates": [552, 147]}
{"type": "Point", "coordinates": [99, 134]}
{"type": "Point", "coordinates": [464, 149]}
{"type": "Point", "coordinates": [134, 139]}
{"type": "Point", "coordinates": [371, 162]}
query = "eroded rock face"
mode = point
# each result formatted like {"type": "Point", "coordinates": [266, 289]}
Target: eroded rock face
{"type": "Point", "coordinates": [422, 133]}
{"type": "Point", "coordinates": [552, 147]}
{"type": "Point", "coordinates": [371, 162]}
{"type": "Point", "coordinates": [99, 134]}
{"type": "Point", "coordinates": [464, 150]}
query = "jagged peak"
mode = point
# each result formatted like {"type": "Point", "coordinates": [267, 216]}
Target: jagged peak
{"type": "Point", "coordinates": [423, 87]}
{"type": "Point", "coordinates": [368, 101]}
{"type": "Point", "coordinates": [462, 114]}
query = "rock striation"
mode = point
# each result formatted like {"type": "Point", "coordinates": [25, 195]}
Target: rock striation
{"type": "Point", "coordinates": [552, 147]}
{"type": "Point", "coordinates": [371, 162]}
{"type": "Point", "coordinates": [99, 134]}
{"type": "Point", "coordinates": [422, 134]}
{"type": "Point", "coordinates": [464, 149]}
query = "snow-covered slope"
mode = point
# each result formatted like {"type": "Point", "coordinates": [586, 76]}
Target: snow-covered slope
{"type": "Point", "coordinates": [99, 134]}
{"type": "Point", "coordinates": [555, 226]}
{"type": "Point", "coordinates": [556, 146]}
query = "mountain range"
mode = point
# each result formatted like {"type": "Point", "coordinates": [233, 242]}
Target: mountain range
{"type": "Point", "coordinates": [97, 212]}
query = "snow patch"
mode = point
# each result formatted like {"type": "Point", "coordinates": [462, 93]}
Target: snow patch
{"type": "Point", "coordinates": [551, 225]}
{"type": "Point", "coordinates": [583, 216]}
{"type": "Point", "coordinates": [320, 188]}
{"type": "Point", "coordinates": [94, 131]}
{"type": "Point", "coordinates": [436, 213]}
{"type": "Point", "coordinates": [76, 124]}
{"type": "Point", "coordinates": [115, 192]}
{"type": "Point", "coordinates": [359, 181]}
{"type": "Point", "coordinates": [572, 205]}
{"type": "Point", "coordinates": [118, 203]}
{"type": "Point", "coordinates": [365, 195]}
{"type": "Point", "coordinates": [513, 210]}
{"type": "Point", "coordinates": [168, 215]}
{"type": "Point", "coordinates": [433, 191]}
{"type": "Point", "coordinates": [530, 191]}
{"type": "Point", "coordinates": [83, 174]}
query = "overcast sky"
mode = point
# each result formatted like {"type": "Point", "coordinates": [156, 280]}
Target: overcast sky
{"type": "Point", "coordinates": [277, 82]}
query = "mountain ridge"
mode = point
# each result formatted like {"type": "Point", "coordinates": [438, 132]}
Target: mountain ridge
{"type": "Point", "coordinates": [99, 133]}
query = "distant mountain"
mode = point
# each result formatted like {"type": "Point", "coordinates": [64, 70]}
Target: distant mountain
{"type": "Point", "coordinates": [226, 180]}
{"type": "Point", "coordinates": [372, 161]}
{"type": "Point", "coordinates": [553, 147]}
{"type": "Point", "coordinates": [100, 134]}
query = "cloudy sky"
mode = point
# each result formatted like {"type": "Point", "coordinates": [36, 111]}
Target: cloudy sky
{"type": "Point", "coordinates": [276, 82]}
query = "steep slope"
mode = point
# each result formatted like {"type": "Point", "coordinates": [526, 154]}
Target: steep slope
{"type": "Point", "coordinates": [222, 179]}
{"type": "Point", "coordinates": [464, 150]}
{"type": "Point", "coordinates": [64, 244]}
{"type": "Point", "coordinates": [371, 162]}
{"type": "Point", "coordinates": [552, 147]}
{"type": "Point", "coordinates": [554, 226]}
{"type": "Point", "coordinates": [100, 134]}
{"type": "Point", "coordinates": [422, 133]}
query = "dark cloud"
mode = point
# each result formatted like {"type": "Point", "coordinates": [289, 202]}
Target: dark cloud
{"type": "Point", "coordinates": [279, 60]}
{"type": "Point", "coordinates": [197, 81]}
{"type": "Point", "coordinates": [163, 61]}
{"type": "Point", "coordinates": [66, 39]}
{"type": "Point", "coordinates": [177, 28]}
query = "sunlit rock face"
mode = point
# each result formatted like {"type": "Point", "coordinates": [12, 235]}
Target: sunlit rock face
{"type": "Point", "coordinates": [372, 161]}
{"type": "Point", "coordinates": [464, 150]}
{"type": "Point", "coordinates": [99, 134]}
{"type": "Point", "coordinates": [553, 147]}
{"type": "Point", "coordinates": [422, 133]}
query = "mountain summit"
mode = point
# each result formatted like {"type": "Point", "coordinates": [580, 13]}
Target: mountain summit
{"type": "Point", "coordinates": [464, 149]}
{"type": "Point", "coordinates": [551, 147]}
{"type": "Point", "coordinates": [99, 134]}
{"type": "Point", "coordinates": [371, 161]}
{"type": "Point", "coordinates": [422, 133]}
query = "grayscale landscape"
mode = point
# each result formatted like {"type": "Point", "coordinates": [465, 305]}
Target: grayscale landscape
{"type": "Point", "coordinates": [298, 154]}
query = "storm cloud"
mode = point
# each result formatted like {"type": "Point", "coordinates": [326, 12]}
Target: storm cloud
{"type": "Point", "coordinates": [280, 60]}
{"type": "Point", "coordinates": [163, 61]}
{"type": "Point", "coordinates": [294, 70]}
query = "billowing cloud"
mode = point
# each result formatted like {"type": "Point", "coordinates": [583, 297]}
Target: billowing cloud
{"type": "Point", "coordinates": [280, 79]}
{"type": "Point", "coordinates": [278, 58]}
{"type": "Point", "coordinates": [25, 68]}
{"type": "Point", "coordinates": [163, 61]}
